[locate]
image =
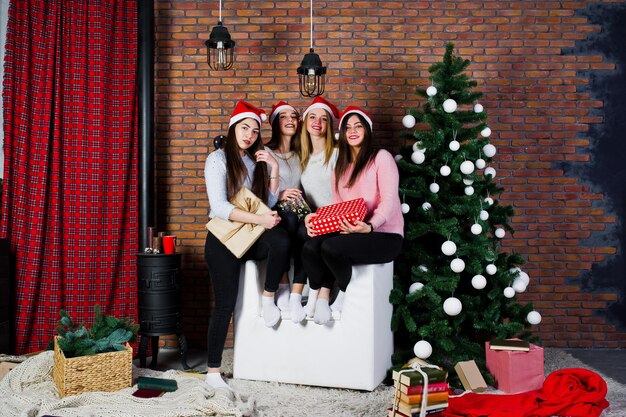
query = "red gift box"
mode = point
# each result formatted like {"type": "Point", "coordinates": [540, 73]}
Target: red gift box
{"type": "Point", "coordinates": [327, 217]}
{"type": "Point", "coordinates": [516, 371]}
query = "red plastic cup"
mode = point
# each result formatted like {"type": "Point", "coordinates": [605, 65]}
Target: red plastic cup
{"type": "Point", "coordinates": [169, 245]}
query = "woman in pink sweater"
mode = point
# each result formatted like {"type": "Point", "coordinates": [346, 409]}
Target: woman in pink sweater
{"type": "Point", "coordinates": [361, 171]}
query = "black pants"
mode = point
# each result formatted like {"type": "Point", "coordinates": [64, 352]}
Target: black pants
{"type": "Point", "coordinates": [289, 221]}
{"type": "Point", "coordinates": [329, 257]}
{"type": "Point", "coordinates": [224, 273]}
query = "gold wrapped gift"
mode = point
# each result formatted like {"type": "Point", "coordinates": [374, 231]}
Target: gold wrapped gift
{"type": "Point", "coordinates": [239, 237]}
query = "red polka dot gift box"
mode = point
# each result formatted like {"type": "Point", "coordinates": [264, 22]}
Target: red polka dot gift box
{"type": "Point", "coordinates": [327, 219]}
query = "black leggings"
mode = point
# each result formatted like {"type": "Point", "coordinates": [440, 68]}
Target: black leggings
{"type": "Point", "coordinates": [329, 257]}
{"type": "Point", "coordinates": [224, 273]}
{"type": "Point", "coordinates": [289, 221]}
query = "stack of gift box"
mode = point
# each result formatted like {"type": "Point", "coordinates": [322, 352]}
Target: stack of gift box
{"type": "Point", "coordinates": [411, 386]}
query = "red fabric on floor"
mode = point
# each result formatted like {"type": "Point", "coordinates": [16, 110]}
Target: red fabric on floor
{"type": "Point", "coordinates": [571, 392]}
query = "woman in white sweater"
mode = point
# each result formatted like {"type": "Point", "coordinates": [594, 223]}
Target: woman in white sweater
{"type": "Point", "coordinates": [318, 156]}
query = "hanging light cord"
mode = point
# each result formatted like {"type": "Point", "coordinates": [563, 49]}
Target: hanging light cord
{"type": "Point", "coordinates": [311, 24]}
{"type": "Point", "coordinates": [221, 10]}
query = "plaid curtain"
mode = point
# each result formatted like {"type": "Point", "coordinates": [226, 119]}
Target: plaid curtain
{"type": "Point", "coordinates": [70, 205]}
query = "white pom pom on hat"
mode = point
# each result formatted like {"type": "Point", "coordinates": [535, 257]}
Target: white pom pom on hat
{"type": "Point", "coordinates": [244, 110]}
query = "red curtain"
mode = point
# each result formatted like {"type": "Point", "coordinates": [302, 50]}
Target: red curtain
{"type": "Point", "coordinates": [70, 200]}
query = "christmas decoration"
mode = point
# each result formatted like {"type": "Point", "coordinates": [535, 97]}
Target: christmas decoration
{"type": "Point", "coordinates": [423, 349]}
{"type": "Point", "coordinates": [469, 190]}
{"type": "Point", "coordinates": [452, 138]}
{"type": "Point", "coordinates": [434, 188]}
{"type": "Point", "coordinates": [499, 233]}
{"type": "Point", "coordinates": [490, 171]}
{"type": "Point", "coordinates": [417, 147]}
{"type": "Point", "coordinates": [452, 306]}
{"type": "Point", "coordinates": [445, 170]}
{"type": "Point", "coordinates": [509, 292]}
{"type": "Point", "coordinates": [398, 157]}
{"type": "Point", "coordinates": [418, 157]}
{"type": "Point", "coordinates": [408, 121]}
{"type": "Point", "coordinates": [449, 106]}
{"type": "Point", "coordinates": [431, 91]}
{"type": "Point", "coordinates": [533, 317]}
{"type": "Point", "coordinates": [518, 285]}
{"type": "Point", "coordinates": [479, 282]}
{"type": "Point", "coordinates": [486, 132]}
{"type": "Point", "coordinates": [405, 208]}
{"type": "Point", "coordinates": [416, 286]}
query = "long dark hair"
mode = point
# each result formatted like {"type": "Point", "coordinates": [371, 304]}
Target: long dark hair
{"type": "Point", "coordinates": [236, 170]}
{"type": "Point", "coordinates": [366, 154]}
{"type": "Point", "coordinates": [274, 142]}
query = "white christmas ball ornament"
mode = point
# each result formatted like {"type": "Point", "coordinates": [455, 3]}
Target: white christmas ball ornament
{"type": "Point", "coordinates": [491, 269]}
{"type": "Point", "coordinates": [454, 145]}
{"type": "Point", "coordinates": [509, 292]}
{"type": "Point", "coordinates": [408, 121]}
{"type": "Point", "coordinates": [518, 285]}
{"type": "Point", "coordinates": [431, 91]}
{"type": "Point", "coordinates": [524, 277]}
{"type": "Point", "coordinates": [478, 108]}
{"type": "Point", "coordinates": [405, 208]}
{"type": "Point", "coordinates": [457, 265]}
{"type": "Point", "coordinates": [423, 349]}
{"type": "Point", "coordinates": [469, 190]}
{"type": "Point", "coordinates": [484, 215]}
{"type": "Point", "coordinates": [476, 229]}
{"type": "Point", "coordinates": [445, 171]}
{"type": "Point", "coordinates": [486, 132]}
{"type": "Point", "coordinates": [448, 248]}
{"type": "Point", "coordinates": [417, 147]}
{"type": "Point", "coordinates": [452, 306]}
{"type": "Point", "coordinates": [418, 157]}
{"type": "Point", "coordinates": [479, 282]}
{"type": "Point", "coordinates": [423, 268]}
{"type": "Point", "coordinates": [468, 181]}
{"type": "Point", "coordinates": [398, 157]}
{"type": "Point", "coordinates": [489, 201]}
{"type": "Point", "coordinates": [489, 150]}
{"type": "Point", "coordinates": [533, 317]}
{"type": "Point", "coordinates": [449, 106]}
{"type": "Point", "coordinates": [480, 163]}
{"type": "Point", "coordinates": [426, 206]}
{"type": "Point", "coordinates": [490, 171]}
{"type": "Point", "coordinates": [500, 233]}
{"type": "Point", "coordinates": [416, 286]}
{"type": "Point", "coordinates": [434, 187]}
{"type": "Point", "coordinates": [467, 167]}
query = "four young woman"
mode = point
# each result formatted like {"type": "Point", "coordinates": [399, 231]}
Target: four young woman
{"type": "Point", "coordinates": [285, 169]}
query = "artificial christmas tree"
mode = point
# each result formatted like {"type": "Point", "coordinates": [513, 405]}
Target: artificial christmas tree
{"type": "Point", "coordinates": [454, 288]}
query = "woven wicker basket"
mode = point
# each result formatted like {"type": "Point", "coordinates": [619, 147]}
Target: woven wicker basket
{"type": "Point", "coordinates": [102, 372]}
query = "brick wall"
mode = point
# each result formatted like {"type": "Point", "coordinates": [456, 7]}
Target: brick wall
{"type": "Point", "coordinates": [536, 91]}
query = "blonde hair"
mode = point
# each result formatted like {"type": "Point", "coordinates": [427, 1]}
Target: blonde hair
{"type": "Point", "coordinates": [304, 146]}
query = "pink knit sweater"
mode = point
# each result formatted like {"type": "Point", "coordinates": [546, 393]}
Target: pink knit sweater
{"type": "Point", "coordinates": [378, 186]}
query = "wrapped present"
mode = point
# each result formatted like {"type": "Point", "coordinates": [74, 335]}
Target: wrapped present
{"type": "Point", "coordinates": [514, 370]}
{"type": "Point", "coordinates": [239, 237]}
{"type": "Point", "coordinates": [327, 219]}
{"type": "Point", "coordinates": [296, 205]}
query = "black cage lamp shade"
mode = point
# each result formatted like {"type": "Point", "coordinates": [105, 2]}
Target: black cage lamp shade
{"type": "Point", "coordinates": [311, 75]}
{"type": "Point", "coordinates": [220, 49]}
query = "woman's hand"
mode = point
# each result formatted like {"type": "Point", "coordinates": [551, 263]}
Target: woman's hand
{"type": "Point", "coordinates": [269, 219]}
{"type": "Point", "coordinates": [289, 194]}
{"type": "Point", "coordinates": [360, 227]}
{"type": "Point", "coordinates": [268, 158]}
{"type": "Point", "coordinates": [307, 224]}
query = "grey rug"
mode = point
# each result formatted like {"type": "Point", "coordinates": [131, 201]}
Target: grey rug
{"type": "Point", "coordinates": [272, 399]}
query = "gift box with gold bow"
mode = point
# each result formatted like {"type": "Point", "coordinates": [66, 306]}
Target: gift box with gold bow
{"type": "Point", "coordinates": [239, 237]}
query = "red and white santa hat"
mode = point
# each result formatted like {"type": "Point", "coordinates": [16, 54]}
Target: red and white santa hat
{"type": "Point", "coordinates": [243, 110]}
{"type": "Point", "coordinates": [278, 107]}
{"type": "Point", "coordinates": [320, 102]}
{"type": "Point", "coordinates": [351, 110]}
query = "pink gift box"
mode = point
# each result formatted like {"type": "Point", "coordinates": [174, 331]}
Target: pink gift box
{"type": "Point", "coordinates": [327, 219]}
{"type": "Point", "coordinates": [516, 371]}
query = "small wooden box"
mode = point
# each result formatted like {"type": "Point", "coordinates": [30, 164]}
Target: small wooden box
{"type": "Point", "coordinates": [107, 372]}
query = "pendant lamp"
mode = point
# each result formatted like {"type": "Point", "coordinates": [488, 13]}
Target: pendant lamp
{"type": "Point", "coordinates": [311, 72]}
{"type": "Point", "coordinates": [220, 47]}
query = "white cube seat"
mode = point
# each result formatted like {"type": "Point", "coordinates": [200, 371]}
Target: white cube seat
{"type": "Point", "coordinates": [352, 351]}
